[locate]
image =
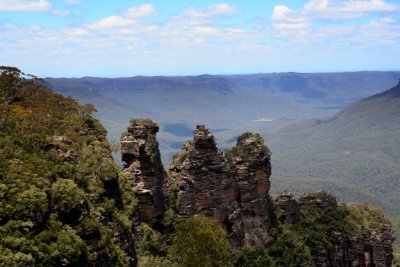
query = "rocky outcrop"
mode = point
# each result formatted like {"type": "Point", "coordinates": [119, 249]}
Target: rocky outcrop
{"type": "Point", "coordinates": [201, 174]}
{"type": "Point", "coordinates": [367, 247]}
{"type": "Point", "coordinates": [251, 167]}
{"type": "Point", "coordinates": [289, 206]}
{"type": "Point", "coordinates": [372, 248]}
{"type": "Point", "coordinates": [143, 168]}
{"type": "Point", "coordinates": [233, 189]}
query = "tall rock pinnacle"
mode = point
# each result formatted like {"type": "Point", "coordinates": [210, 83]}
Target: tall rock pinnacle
{"type": "Point", "coordinates": [202, 176]}
{"type": "Point", "coordinates": [234, 189]}
{"type": "Point", "coordinates": [250, 161]}
{"type": "Point", "coordinates": [143, 168]}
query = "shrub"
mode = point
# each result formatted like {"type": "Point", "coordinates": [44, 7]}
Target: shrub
{"type": "Point", "coordinates": [200, 241]}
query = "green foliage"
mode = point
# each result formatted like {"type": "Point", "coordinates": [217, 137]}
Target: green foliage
{"type": "Point", "coordinates": [61, 194]}
{"type": "Point", "coordinates": [152, 242]}
{"type": "Point", "coordinates": [368, 216]}
{"type": "Point", "coordinates": [150, 261]}
{"type": "Point", "coordinates": [200, 241]}
{"type": "Point", "coordinates": [180, 156]}
{"type": "Point", "coordinates": [355, 152]}
{"type": "Point", "coordinates": [321, 222]}
{"type": "Point", "coordinates": [172, 219]}
{"type": "Point", "coordinates": [60, 246]}
{"type": "Point", "coordinates": [143, 121]}
{"type": "Point", "coordinates": [10, 83]}
{"type": "Point", "coordinates": [253, 257]}
{"type": "Point", "coordinates": [243, 148]}
{"type": "Point", "coordinates": [290, 248]}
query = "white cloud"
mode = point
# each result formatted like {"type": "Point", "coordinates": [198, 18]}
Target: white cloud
{"type": "Point", "coordinates": [143, 11]}
{"type": "Point", "coordinates": [76, 32]}
{"type": "Point", "coordinates": [206, 30]}
{"type": "Point", "coordinates": [317, 21]}
{"type": "Point", "coordinates": [112, 22]}
{"type": "Point", "coordinates": [60, 12]}
{"type": "Point", "coordinates": [330, 9]}
{"type": "Point", "coordinates": [211, 11]}
{"type": "Point", "coordinates": [24, 5]}
{"type": "Point", "coordinates": [133, 34]}
{"type": "Point", "coordinates": [292, 26]}
{"type": "Point", "coordinates": [284, 13]}
{"type": "Point", "coordinates": [346, 9]}
{"type": "Point", "coordinates": [130, 17]}
{"type": "Point", "coordinates": [72, 2]}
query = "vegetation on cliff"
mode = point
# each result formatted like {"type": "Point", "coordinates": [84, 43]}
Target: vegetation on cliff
{"type": "Point", "coordinates": [324, 233]}
{"type": "Point", "coordinates": [313, 230]}
{"type": "Point", "coordinates": [63, 201]}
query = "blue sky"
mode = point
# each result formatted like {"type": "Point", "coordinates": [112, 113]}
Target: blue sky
{"type": "Point", "coordinates": [74, 38]}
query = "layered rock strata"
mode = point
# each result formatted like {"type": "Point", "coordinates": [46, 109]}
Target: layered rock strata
{"type": "Point", "coordinates": [143, 168]}
{"type": "Point", "coordinates": [201, 174]}
{"type": "Point", "coordinates": [251, 167]}
{"type": "Point", "coordinates": [233, 189]}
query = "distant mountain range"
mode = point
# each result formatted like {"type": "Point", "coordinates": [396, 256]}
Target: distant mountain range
{"type": "Point", "coordinates": [354, 153]}
{"type": "Point", "coordinates": [226, 103]}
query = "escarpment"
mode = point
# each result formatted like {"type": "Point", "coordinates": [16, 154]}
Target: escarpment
{"type": "Point", "coordinates": [233, 187]}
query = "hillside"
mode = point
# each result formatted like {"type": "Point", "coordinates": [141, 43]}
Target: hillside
{"type": "Point", "coordinates": [226, 103]}
{"type": "Point", "coordinates": [63, 201]}
{"type": "Point", "coordinates": [357, 148]}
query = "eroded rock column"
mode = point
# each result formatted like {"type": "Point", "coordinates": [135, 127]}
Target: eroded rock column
{"type": "Point", "coordinates": [250, 160]}
{"type": "Point", "coordinates": [143, 168]}
{"type": "Point", "coordinates": [203, 179]}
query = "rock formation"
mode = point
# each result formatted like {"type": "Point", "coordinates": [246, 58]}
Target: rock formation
{"type": "Point", "coordinates": [290, 207]}
{"type": "Point", "coordinates": [365, 248]}
{"type": "Point", "coordinates": [251, 167]}
{"type": "Point", "coordinates": [233, 187]}
{"type": "Point", "coordinates": [205, 184]}
{"type": "Point", "coordinates": [143, 168]}
{"type": "Point", "coordinates": [372, 249]}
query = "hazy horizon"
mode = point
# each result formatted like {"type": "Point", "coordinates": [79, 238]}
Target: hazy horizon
{"type": "Point", "coordinates": [77, 38]}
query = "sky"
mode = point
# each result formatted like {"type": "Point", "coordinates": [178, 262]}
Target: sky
{"type": "Point", "coordinates": [75, 38]}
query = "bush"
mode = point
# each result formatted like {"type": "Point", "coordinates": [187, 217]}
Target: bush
{"type": "Point", "coordinates": [200, 241]}
{"type": "Point", "coordinates": [253, 257]}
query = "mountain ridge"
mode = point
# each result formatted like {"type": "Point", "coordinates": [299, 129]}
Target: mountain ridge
{"type": "Point", "coordinates": [358, 145]}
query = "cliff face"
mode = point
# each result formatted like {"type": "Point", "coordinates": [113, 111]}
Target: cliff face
{"type": "Point", "coordinates": [201, 174]}
{"type": "Point", "coordinates": [144, 169]}
{"type": "Point", "coordinates": [363, 246]}
{"type": "Point", "coordinates": [251, 167]}
{"type": "Point", "coordinates": [203, 181]}
{"type": "Point", "coordinates": [233, 187]}
{"type": "Point", "coordinates": [234, 190]}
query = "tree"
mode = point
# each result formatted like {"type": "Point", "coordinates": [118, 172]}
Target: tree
{"type": "Point", "coordinates": [11, 81]}
{"type": "Point", "coordinates": [200, 241]}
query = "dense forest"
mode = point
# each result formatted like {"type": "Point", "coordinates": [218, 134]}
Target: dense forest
{"type": "Point", "coordinates": [65, 202]}
{"type": "Point", "coordinates": [62, 199]}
